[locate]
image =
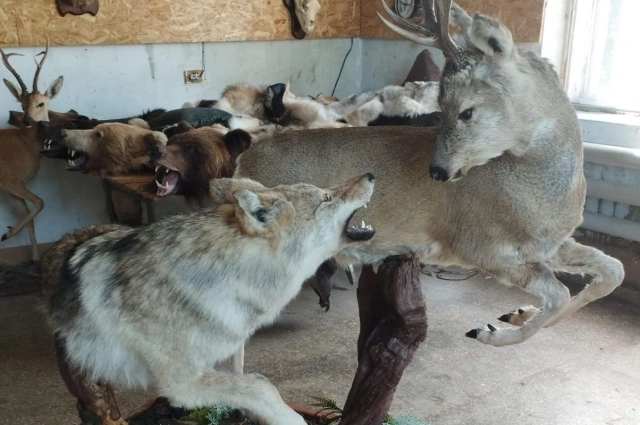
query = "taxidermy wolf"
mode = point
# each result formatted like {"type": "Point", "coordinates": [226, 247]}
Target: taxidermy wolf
{"type": "Point", "coordinates": [163, 304]}
{"type": "Point", "coordinates": [498, 187]}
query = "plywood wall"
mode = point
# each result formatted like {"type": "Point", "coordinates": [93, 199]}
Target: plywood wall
{"type": "Point", "coordinates": [27, 22]}
{"type": "Point", "coordinates": [522, 17]}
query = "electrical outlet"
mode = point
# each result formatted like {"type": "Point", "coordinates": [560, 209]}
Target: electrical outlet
{"type": "Point", "coordinates": [193, 76]}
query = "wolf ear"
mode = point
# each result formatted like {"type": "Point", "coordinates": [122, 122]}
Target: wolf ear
{"type": "Point", "coordinates": [255, 211]}
{"type": "Point", "coordinates": [490, 36]}
{"type": "Point", "coordinates": [181, 127]}
{"type": "Point", "coordinates": [237, 141]}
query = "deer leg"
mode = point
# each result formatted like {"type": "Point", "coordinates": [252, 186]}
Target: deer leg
{"type": "Point", "coordinates": [96, 401]}
{"type": "Point", "coordinates": [21, 192]}
{"type": "Point", "coordinates": [607, 272]}
{"type": "Point", "coordinates": [24, 210]}
{"type": "Point", "coordinates": [250, 392]}
{"type": "Point", "coordinates": [537, 279]}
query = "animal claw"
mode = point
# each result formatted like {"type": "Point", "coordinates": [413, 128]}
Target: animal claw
{"type": "Point", "coordinates": [491, 327]}
{"type": "Point", "coordinates": [473, 333]}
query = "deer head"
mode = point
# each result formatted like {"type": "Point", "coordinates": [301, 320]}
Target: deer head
{"type": "Point", "coordinates": [35, 105]}
{"type": "Point", "coordinates": [307, 12]}
{"type": "Point", "coordinates": [485, 86]}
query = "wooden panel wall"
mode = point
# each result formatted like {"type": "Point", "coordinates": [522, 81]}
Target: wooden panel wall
{"type": "Point", "coordinates": [27, 22]}
{"type": "Point", "coordinates": [522, 17]}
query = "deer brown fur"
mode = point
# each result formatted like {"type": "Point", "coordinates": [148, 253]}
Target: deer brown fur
{"type": "Point", "coordinates": [20, 148]}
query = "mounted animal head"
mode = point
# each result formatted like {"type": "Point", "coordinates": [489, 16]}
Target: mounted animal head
{"type": "Point", "coordinates": [35, 105]}
{"type": "Point", "coordinates": [494, 99]}
{"type": "Point", "coordinates": [307, 13]}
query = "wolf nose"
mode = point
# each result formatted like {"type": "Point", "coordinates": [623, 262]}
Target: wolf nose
{"type": "Point", "coordinates": [156, 152]}
{"type": "Point", "coordinates": [371, 177]}
{"type": "Point", "coordinates": [439, 174]}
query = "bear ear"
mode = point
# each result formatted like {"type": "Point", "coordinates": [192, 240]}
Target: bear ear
{"type": "Point", "coordinates": [237, 141]}
{"type": "Point", "coordinates": [181, 127]}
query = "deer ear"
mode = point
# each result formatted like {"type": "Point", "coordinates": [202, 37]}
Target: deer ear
{"type": "Point", "coordinates": [16, 92]}
{"type": "Point", "coordinates": [490, 36]}
{"type": "Point", "coordinates": [55, 87]}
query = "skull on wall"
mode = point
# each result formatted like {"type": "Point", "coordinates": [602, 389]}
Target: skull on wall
{"type": "Point", "coordinates": [307, 11]}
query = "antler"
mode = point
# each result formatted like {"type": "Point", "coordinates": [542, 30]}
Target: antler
{"type": "Point", "coordinates": [433, 32]}
{"type": "Point", "coordinates": [5, 61]}
{"type": "Point", "coordinates": [39, 66]}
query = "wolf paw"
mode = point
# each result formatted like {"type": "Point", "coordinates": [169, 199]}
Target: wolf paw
{"type": "Point", "coordinates": [519, 316]}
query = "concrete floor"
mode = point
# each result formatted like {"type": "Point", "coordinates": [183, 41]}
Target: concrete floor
{"type": "Point", "coordinates": [583, 371]}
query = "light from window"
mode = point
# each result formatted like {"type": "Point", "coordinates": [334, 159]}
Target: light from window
{"type": "Point", "coordinates": [604, 60]}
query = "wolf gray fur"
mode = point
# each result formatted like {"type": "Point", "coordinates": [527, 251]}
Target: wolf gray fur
{"type": "Point", "coordinates": [163, 304]}
{"type": "Point", "coordinates": [499, 187]}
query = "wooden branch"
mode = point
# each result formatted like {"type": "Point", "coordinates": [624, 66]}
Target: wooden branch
{"type": "Point", "coordinates": [393, 323]}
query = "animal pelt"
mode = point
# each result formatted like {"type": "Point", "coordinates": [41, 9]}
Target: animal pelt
{"type": "Point", "coordinates": [411, 100]}
{"type": "Point", "coordinates": [129, 311]}
{"type": "Point", "coordinates": [111, 148]}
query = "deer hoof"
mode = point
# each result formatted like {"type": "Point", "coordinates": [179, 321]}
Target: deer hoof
{"type": "Point", "coordinates": [473, 333]}
{"type": "Point", "coordinates": [4, 237]}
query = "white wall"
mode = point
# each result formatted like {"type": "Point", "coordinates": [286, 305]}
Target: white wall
{"type": "Point", "coordinates": [389, 61]}
{"type": "Point", "coordinates": [118, 81]}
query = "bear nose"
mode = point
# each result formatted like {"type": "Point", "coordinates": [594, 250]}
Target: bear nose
{"type": "Point", "coordinates": [439, 174]}
{"type": "Point", "coordinates": [156, 152]}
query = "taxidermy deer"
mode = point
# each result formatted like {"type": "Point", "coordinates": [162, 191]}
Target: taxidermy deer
{"type": "Point", "coordinates": [498, 187]}
{"type": "Point", "coordinates": [20, 148]}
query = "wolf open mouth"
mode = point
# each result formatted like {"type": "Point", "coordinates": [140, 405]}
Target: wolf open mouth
{"type": "Point", "coordinates": [362, 232]}
{"type": "Point", "coordinates": [167, 180]}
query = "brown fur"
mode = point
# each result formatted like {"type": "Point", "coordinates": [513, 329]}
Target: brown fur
{"type": "Point", "coordinates": [200, 155]}
{"type": "Point", "coordinates": [113, 148]}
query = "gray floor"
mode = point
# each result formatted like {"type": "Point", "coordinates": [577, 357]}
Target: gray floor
{"type": "Point", "coordinates": [583, 371]}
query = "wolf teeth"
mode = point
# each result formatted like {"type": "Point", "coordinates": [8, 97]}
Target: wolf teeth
{"type": "Point", "coordinates": [156, 170]}
{"type": "Point", "coordinates": [73, 152]}
{"type": "Point", "coordinates": [366, 204]}
{"type": "Point", "coordinates": [364, 226]}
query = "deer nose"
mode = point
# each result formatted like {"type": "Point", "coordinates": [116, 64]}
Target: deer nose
{"type": "Point", "coordinates": [28, 121]}
{"type": "Point", "coordinates": [439, 174]}
{"type": "Point", "coordinates": [156, 152]}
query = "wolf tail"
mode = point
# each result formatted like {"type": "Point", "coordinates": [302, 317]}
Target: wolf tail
{"type": "Point", "coordinates": [57, 256]}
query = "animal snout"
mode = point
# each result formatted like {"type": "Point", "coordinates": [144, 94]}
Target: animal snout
{"type": "Point", "coordinates": [28, 121]}
{"type": "Point", "coordinates": [63, 133]}
{"type": "Point", "coordinates": [438, 173]}
{"type": "Point", "coordinates": [370, 176]}
{"type": "Point", "coordinates": [156, 152]}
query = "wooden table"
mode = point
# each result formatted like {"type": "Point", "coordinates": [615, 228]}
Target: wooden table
{"type": "Point", "coordinates": [140, 187]}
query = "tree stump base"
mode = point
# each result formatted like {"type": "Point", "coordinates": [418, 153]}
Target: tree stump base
{"type": "Point", "coordinates": [393, 323]}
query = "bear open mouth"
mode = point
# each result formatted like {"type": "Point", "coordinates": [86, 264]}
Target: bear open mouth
{"type": "Point", "coordinates": [362, 232]}
{"type": "Point", "coordinates": [52, 149]}
{"type": "Point", "coordinates": [77, 160]}
{"type": "Point", "coordinates": [167, 180]}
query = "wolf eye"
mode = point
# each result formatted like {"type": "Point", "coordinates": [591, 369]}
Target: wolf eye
{"type": "Point", "coordinates": [466, 114]}
{"type": "Point", "coordinates": [327, 198]}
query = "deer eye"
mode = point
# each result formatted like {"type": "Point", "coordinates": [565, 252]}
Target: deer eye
{"type": "Point", "coordinates": [466, 114]}
{"type": "Point", "coordinates": [327, 198]}
{"type": "Point", "coordinates": [40, 105]}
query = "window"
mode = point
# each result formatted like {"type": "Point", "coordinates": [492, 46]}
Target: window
{"type": "Point", "coordinates": [603, 59]}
